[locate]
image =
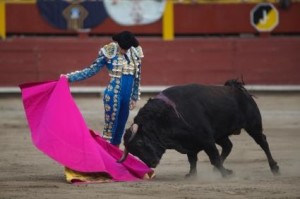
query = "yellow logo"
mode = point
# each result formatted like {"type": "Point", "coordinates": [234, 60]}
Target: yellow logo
{"type": "Point", "coordinates": [264, 17]}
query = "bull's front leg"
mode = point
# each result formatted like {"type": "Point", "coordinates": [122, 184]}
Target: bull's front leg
{"type": "Point", "coordinates": [215, 159]}
{"type": "Point", "coordinates": [192, 157]}
{"type": "Point", "coordinates": [226, 145]}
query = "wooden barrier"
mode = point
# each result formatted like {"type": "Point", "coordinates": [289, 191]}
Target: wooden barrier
{"type": "Point", "coordinates": [267, 61]}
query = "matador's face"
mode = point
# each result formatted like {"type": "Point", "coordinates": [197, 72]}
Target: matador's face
{"type": "Point", "coordinates": [123, 51]}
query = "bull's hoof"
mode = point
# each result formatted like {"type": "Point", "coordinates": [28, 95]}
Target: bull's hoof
{"type": "Point", "coordinates": [190, 176]}
{"type": "Point", "coordinates": [227, 173]}
{"type": "Point", "coordinates": [275, 170]}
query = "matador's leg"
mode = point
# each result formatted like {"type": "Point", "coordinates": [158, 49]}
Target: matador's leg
{"type": "Point", "coordinates": [110, 109]}
{"type": "Point", "coordinates": [122, 119]}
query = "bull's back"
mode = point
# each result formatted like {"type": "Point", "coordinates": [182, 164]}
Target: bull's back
{"type": "Point", "coordinates": [193, 95]}
{"type": "Point", "coordinates": [223, 107]}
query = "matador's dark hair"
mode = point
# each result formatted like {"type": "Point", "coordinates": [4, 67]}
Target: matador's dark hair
{"type": "Point", "coordinates": [126, 40]}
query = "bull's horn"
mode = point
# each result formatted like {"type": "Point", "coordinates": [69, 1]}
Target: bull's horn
{"type": "Point", "coordinates": [124, 156]}
{"type": "Point", "coordinates": [134, 128]}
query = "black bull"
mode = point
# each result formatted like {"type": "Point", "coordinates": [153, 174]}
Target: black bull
{"type": "Point", "coordinates": [192, 118]}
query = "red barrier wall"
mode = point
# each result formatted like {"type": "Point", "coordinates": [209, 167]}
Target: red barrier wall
{"type": "Point", "coordinates": [273, 60]}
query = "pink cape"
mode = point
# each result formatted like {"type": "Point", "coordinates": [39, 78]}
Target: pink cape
{"type": "Point", "coordinates": [59, 130]}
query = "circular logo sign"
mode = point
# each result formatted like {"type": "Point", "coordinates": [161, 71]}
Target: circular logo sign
{"type": "Point", "coordinates": [264, 17]}
{"type": "Point", "coordinates": [134, 12]}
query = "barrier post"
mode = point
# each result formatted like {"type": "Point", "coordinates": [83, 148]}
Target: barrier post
{"type": "Point", "coordinates": [2, 20]}
{"type": "Point", "coordinates": [168, 21]}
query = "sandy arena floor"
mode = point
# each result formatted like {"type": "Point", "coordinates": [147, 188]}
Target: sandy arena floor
{"type": "Point", "coordinates": [27, 173]}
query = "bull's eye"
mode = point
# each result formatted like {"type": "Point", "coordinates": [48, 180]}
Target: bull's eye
{"type": "Point", "coordinates": [139, 143]}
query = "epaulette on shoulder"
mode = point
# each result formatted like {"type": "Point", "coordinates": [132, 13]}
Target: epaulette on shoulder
{"type": "Point", "coordinates": [139, 51]}
{"type": "Point", "coordinates": [109, 50]}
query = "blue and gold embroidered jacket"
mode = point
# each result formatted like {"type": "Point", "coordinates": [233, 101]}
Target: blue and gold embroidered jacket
{"type": "Point", "coordinates": [117, 65]}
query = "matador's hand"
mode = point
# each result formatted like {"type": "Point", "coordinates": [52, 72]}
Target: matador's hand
{"type": "Point", "coordinates": [63, 75]}
{"type": "Point", "coordinates": [132, 104]}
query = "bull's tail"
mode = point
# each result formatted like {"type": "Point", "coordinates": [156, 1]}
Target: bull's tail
{"type": "Point", "coordinates": [240, 85]}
